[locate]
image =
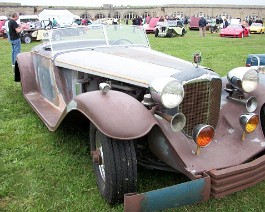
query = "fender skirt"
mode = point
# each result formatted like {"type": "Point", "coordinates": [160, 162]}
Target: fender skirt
{"type": "Point", "coordinates": [115, 114]}
{"type": "Point", "coordinates": [187, 193]}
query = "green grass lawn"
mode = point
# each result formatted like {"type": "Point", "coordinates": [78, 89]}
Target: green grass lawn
{"type": "Point", "coordinates": [51, 171]}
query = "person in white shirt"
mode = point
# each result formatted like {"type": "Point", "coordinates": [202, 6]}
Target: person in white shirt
{"type": "Point", "coordinates": [7, 29]}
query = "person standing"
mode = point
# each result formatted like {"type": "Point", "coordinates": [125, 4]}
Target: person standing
{"type": "Point", "coordinates": [115, 23]}
{"type": "Point", "coordinates": [14, 30]}
{"type": "Point", "coordinates": [202, 26]}
{"type": "Point", "coordinates": [186, 22]}
{"type": "Point", "coordinates": [225, 23]}
{"type": "Point", "coordinates": [49, 24]}
{"type": "Point", "coordinates": [7, 30]}
{"type": "Point", "coordinates": [54, 23]}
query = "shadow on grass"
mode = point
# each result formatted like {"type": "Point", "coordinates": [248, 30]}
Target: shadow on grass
{"type": "Point", "coordinates": [73, 134]}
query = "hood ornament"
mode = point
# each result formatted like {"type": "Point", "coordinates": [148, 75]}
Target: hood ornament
{"type": "Point", "coordinates": [197, 58]}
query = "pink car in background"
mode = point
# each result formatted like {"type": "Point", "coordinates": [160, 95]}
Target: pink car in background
{"type": "Point", "coordinates": [2, 23]}
{"type": "Point", "coordinates": [151, 26]}
{"type": "Point", "coordinates": [235, 31]}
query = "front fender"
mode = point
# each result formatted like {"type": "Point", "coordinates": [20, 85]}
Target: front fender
{"type": "Point", "coordinates": [116, 114]}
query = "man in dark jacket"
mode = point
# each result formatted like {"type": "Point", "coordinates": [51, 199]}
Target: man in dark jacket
{"type": "Point", "coordinates": [14, 30]}
{"type": "Point", "coordinates": [202, 26]}
{"type": "Point", "coordinates": [225, 23]}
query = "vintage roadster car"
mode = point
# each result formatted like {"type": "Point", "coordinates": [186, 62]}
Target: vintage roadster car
{"type": "Point", "coordinates": [235, 31]}
{"type": "Point", "coordinates": [170, 28]}
{"type": "Point", "coordinates": [37, 34]}
{"type": "Point", "coordinates": [29, 35]}
{"type": "Point", "coordinates": [151, 109]}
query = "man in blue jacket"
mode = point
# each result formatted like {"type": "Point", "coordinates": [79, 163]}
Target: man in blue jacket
{"type": "Point", "coordinates": [202, 26]}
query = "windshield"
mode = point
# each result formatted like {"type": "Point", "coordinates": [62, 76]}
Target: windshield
{"type": "Point", "coordinates": [234, 26]}
{"type": "Point", "coordinates": [94, 35]}
{"type": "Point", "coordinates": [256, 24]}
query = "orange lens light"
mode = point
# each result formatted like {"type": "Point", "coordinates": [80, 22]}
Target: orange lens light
{"type": "Point", "coordinates": [203, 135]}
{"type": "Point", "coordinates": [249, 122]}
{"type": "Point", "coordinates": [252, 124]}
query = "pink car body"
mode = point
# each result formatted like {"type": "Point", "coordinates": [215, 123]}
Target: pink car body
{"type": "Point", "coordinates": [2, 23]}
{"type": "Point", "coordinates": [235, 31]}
{"type": "Point", "coordinates": [152, 24]}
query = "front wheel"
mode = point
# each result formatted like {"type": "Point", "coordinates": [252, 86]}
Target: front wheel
{"type": "Point", "coordinates": [156, 32]}
{"type": "Point", "coordinates": [26, 39]}
{"type": "Point", "coordinates": [115, 165]}
{"type": "Point", "coordinates": [183, 32]}
{"type": "Point", "coordinates": [170, 33]}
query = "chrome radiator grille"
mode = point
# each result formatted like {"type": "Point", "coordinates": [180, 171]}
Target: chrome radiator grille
{"type": "Point", "coordinates": [201, 103]}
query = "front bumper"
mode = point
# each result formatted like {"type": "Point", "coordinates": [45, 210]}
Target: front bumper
{"type": "Point", "coordinates": [255, 31]}
{"type": "Point", "coordinates": [170, 197]}
{"type": "Point", "coordinates": [230, 35]}
{"type": "Point", "coordinates": [215, 183]}
{"type": "Point", "coordinates": [236, 178]}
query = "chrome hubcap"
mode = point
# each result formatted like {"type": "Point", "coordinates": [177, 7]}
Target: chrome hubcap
{"type": "Point", "coordinates": [101, 164]}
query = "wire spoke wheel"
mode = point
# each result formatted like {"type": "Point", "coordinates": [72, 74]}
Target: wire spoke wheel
{"type": "Point", "coordinates": [27, 39]}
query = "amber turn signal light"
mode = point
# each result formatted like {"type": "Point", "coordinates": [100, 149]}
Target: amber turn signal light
{"type": "Point", "coordinates": [249, 123]}
{"type": "Point", "coordinates": [202, 135]}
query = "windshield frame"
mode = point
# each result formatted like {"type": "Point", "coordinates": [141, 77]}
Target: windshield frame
{"type": "Point", "coordinates": [93, 36]}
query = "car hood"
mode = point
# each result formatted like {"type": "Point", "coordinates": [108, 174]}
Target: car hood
{"type": "Point", "coordinates": [134, 65]}
{"type": "Point", "coordinates": [230, 30]}
{"type": "Point", "coordinates": [255, 27]}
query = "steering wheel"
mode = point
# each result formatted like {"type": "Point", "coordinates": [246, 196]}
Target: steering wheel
{"type": "Point", "coordinates": [121, 42]}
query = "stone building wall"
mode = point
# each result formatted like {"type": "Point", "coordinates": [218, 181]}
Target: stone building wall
{"type": "Point", "coordinates": [234, 11]}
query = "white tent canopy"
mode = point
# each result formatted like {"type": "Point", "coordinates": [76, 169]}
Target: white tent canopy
{"type": "Point", "coordinates": [63, 17]}
{"type": "Point", "coordinates": [3, 17]}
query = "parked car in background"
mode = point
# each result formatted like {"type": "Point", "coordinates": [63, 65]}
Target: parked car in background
{"type": "Point", "coordinates": [147, 108]}
{"type": "Point", "coordinates": [108, 21]}
{"type": "Point", "coordinates": [235, 31]}
{"type": "Point", "coordinates": [61, 33]}
{"type": "Point", "coordinates": [78, 21]}
{"type": "Point", "coordinates": [170, 28]}
{"type": "Point", "coordinates": [3, 19]}
{"type": "Point", "coordinates": [29, 20]}
{"type": "Point", "coordinates": [2, 23]}
{"type": "Point", "coordinates": [255, 60]}
{"type": "Point", "coordinates": [150, 26]}
{"type": "Point", "coordinates": [29, 35]}
{"type": "Point", "coordinates": [37, 34]}
{"type": "Point", "coordinates": [194, 23]}
{"type": "Point", "coordinates": [257, 28]}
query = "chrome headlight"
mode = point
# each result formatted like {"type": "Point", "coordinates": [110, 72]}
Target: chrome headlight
{"type": "Point", "coordinates": [167, 92]}
{"type": "Point", "coordinates": [243, 78]}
